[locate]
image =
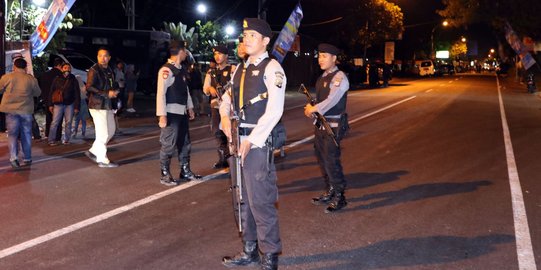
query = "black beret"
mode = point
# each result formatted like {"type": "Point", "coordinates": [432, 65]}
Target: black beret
{"type": "Point", "coordinates": [257, 25]}
{"type": "Point", "coordinates": [221, 49]}
{"type": "Point", "coordinates": [328, 48]}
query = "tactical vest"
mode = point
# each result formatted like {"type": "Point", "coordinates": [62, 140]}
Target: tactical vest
{"type": "Point", "coordinates": [178, 91]}
{"type": "Point", "coordinates": [222, 76]}
{"type": "Point", "coordinates": [253, 86]}
{"type": "Point", "coordinates": [323, 89]}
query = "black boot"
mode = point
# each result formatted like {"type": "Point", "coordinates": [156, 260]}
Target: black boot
{"type": "Point", "coordinates": [186, 173]}
{"type": "Point", "coordinates": [269, 261]}
{"type": "Point", "coordinates": [249, 255]}
{"type": "Point", "coordinates": [324, 198]}
{"type": "Point", "coordinates": [222, 160]}
{"type": "Point", "coordinates": [337, 203]}
{"type": "Point", "coordinates": [166, 177]}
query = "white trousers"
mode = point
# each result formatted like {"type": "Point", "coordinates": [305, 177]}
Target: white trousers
{"type": "Point", "coordinates": [104, 124]}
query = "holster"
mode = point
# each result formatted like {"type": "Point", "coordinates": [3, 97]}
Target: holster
{"type": "Point", "coordinates": [343, 127]}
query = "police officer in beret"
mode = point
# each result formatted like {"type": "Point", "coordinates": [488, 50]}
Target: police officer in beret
{"type": "Point", "coordinates": [174, 109]}
{"type": "Point", "coordinates": [214, 80]}
{"type": "Point", "coordinates": [258, 75]}
{"type": "Point", "coordinates": [331, 98]}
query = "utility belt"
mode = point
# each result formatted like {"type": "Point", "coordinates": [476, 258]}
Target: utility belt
{"type": "Point", "coordinates": [276, 139]}
{"type": "Point", "coordinates": [339, 123]}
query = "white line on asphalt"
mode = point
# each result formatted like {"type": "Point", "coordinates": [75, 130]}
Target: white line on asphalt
{"type": "Point", "coordinates": [442, 84]}
{"type": "Point", "coordinates": [85, 223]}
{"type": "Point", "coordinates": [526, 259]}
{"type": "Point", "coordinates": [450, 81]}
{"type": "Point", "coordinates": [429, 90]}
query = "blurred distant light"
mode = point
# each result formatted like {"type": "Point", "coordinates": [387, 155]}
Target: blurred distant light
{"type": "Point", "coordinates": [445, 23]}
{"type": "Point", "coordinates": [38, 2]}
{"type": "Point", "coordinates": [202, 8]}
{"type": "Point", "coordinates": [442, 54]}
{"type": "Point", "coordinates": [230, 30]}
{"type": "Point", "coordinates": [492, 50]}
{"type": "Point", "coordinates": [463, 39]}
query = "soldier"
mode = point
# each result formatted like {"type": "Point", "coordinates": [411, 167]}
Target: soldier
{"type": "Point", "coordinates": [173, 102]}
{"type": "Point", "coordinates": [214, 80]}
{"type": "Point", "coordinates": [331, 97]}
{"type": "Point", "coordinates": [258, 75]}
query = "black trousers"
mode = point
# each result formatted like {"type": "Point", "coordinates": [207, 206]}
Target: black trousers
{"type": "Point", "coordinates": [259, 215]}
{"type": "Point", "coordinates": [172, 137]}
{"type": "Point", "coordinates": [328, 157]}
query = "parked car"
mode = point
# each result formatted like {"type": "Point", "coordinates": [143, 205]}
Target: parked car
{"type": "Point", "coordinates": [444, 69]}
{"type": "Point", "coordinates": [425, 67]}
{"type": "Point", "coordinates": [80, 63]}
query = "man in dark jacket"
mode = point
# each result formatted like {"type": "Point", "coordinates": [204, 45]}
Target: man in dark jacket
{"type": "Point", "coordinates": [45, 83]}
{"type": "Point", "coordinates": [101, 88]}
{"type": "Point", "coordinates": [65, 108]}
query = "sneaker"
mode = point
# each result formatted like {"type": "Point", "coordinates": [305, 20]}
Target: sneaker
{"type": "Point", "coordinates": [15, 164]}
{"type": "Point", "coordinates": [53, 143]}
{"type": "Point", "coordinates": [65, 142]}
{"type": "Point", "coordinates": [131, 110]}
{"type": "Point", "coordinates": [107, 165]}
{"type": "Point", "coordinates": [27, 162]}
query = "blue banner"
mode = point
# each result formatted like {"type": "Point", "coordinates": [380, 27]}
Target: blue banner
{"type": "Point", "coordinates": [287, 35]}
{"type": "Point", "coordinates": [519, 48]}
{"type": "Point", "coordinates": [49, 24]}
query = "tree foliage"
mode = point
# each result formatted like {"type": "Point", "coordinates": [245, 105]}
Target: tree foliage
{"type": "Point", "coordinates": [180, 32]}
{"type": "Point", "coordinates": [458, 49]}
{"type": "Point", "coordinates": [372, 22]}
{"type": "Point", "coordinates": [523, 15]}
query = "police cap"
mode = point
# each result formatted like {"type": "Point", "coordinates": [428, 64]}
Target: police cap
{"type": "Point", "coordinates": [328, 48]}
{"type": "Point", "coordinates": [257, 25]}
{"type": "Point", "coordinates": [220, 48]}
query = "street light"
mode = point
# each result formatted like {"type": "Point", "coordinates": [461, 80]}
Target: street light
{"type": "Point", "coordinates": [463, 39]}
{"type": "Point", "coordinates": [229, 30]}
{"type": "Point", "coordinates": [202, 9]}
{"type": "Point", "coordinates": [432, 52]}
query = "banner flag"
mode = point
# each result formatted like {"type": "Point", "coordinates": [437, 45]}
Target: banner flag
{"type": "Point", "coordinates": [49, 24]}
{"type": "Point", "coordinates": [287, 35]}
{"type": "Point", "coordinates": [519, 48]}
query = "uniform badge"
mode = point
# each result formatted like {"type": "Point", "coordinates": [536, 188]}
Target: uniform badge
{"type": "Point", "coordinates": [165, 74]}
{"type": "Point", "coordinates": [225, 73]}
{"type": "Point", "coordinates": [337, 82]}
{"type": "Point", "coordinates": [255, 73]}
{"type": "Point", "coordinates": [279, 81]}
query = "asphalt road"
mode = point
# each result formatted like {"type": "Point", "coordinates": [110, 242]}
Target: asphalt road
{"type": "Point", "coordinates": [429, 187]}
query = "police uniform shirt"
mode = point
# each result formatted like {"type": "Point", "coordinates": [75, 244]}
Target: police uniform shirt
{"type": "Point", "coordinates": [339, 86]}
{"type": "Point", "coordinates": [208, 79]}
{"type": "Point", "coordinates": [275, 81]}
{"type": "Point", "coordinates": [166, 79]}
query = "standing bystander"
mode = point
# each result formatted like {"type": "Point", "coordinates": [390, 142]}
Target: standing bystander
{"type": "Point", "coordinates": [45, 83]}
{"type": "Point", "coordinates": [19, 90]}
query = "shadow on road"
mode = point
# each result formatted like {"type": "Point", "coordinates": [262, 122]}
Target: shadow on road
{"type": "Point", "coordinates": [355, 181]}
{"type": "Point", "coordinates": [406, 252]}
{"type": "Point", "coordinates": [415, 193]}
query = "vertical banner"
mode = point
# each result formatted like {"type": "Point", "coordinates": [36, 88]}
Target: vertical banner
{"type": "Point", "coordinates": [288, 34]}
{"type": "Point", "coordinates": [49, 24]}
{"type": "Point", "coordinates": [519, 48]}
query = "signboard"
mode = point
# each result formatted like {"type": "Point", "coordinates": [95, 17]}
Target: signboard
{"type": "Point", "coordinates": [287, 35]}
{"type": "Point", "coordinates": [49, 24]}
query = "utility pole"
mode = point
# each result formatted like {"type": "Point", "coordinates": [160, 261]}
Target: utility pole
{"type": "Point", "coordinates": [130, 13]}
{"type": "Point", "coordinates": [2, 37]}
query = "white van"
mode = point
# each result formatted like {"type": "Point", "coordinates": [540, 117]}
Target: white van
{"type": "Point", "coordinates": [425, 67]}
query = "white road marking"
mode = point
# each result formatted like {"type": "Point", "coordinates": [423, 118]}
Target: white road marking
{"type": "Point", "coordinates": [526, 259]}
{"type": "Point", "coordinates": [85, 223]}
{"type": "Point", "coordinates": [429, 90]}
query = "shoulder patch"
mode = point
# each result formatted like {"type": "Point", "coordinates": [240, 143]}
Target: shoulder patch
{"type": "Point", "coordinates": [279, 81]}
{"type": "Point", "coordinates": [165, 74]}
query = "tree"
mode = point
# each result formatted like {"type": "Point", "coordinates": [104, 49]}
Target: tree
{"type": "Point", "coordinates": [372, 22]}
{"type": "Point", "coordinates": [458, 49]}
{"type": "Point", "coordinates": [523, 15]}
{"type": "Point", "coordinates": [180, 32]}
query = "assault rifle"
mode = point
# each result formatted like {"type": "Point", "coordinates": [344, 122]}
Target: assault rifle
{"type": "Point", "coordinates": [219, 88]}
{"type": "Point", "coordinates": [236, 174]}
{"type": "Point", "coordinates": [320, 119]}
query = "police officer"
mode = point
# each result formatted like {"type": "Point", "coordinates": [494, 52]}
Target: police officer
{"type": "Point", "coordinates": [258, 75]}
{"type": "Point", "coordinates": [173, 103]}
{"type": "Point", "coordinates": [214, 80]}
{"type": "Point", "coordinates": [331, 97]}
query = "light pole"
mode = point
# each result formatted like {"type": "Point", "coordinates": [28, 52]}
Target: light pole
{"type": "Point", "coordinates": [432, 52]}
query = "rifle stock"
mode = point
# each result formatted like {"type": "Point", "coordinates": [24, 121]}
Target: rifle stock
{"type": "Point", "coordinates": [320, 119]}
